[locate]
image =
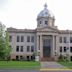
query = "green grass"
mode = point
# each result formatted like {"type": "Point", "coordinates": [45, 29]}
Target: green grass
{"type": "Point", "coordinates": [66, 64]}
{"type": "Point", "coordinates": [19, 65]}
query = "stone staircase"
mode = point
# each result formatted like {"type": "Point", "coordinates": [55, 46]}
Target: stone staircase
{"type": "Point", "coordinates": [47, 59]}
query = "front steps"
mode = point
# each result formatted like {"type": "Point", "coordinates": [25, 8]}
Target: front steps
{"type": "Point", "coordinates": [47, 59]}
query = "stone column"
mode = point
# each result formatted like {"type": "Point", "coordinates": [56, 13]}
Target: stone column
{"type": "Point", "coordinates": [41, 46]}
{"type": "Point", "coordinates": [53, 46]}
{"type": "Point", "coordinates": [57, 47]}
{"type": "Point", "coordinates": [38, 43]}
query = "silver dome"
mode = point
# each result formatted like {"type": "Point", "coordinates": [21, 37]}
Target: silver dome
{"type": "Point", "coordinates": [45, 12]}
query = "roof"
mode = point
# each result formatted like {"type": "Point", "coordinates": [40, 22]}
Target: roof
{"type": "Point", "coordinates": [45, 12]}
{"type": "Point", "coordinates": [14, 30]}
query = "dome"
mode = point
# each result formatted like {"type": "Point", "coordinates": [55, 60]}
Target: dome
{"type": "Point", "coordinates": [45, 12]}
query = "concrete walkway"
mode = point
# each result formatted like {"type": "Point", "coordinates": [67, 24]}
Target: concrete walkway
{"type": "Point", "coordinates": [19, 71]}
{"type": "Point", "coordinates": [51, 65]}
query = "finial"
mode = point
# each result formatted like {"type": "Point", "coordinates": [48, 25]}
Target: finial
{"type": "Point", "coordinates": [45, 6]}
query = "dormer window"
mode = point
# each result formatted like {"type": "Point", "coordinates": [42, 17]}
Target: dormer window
{"type": "Point", "coordinates": [46, 22]}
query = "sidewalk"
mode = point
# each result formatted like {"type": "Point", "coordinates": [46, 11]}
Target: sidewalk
{"type": "Point", "coordinates": [51, 65]}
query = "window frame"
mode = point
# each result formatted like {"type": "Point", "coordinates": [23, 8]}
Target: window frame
{"type": "Point", "coordinates": [71, 49]}
{"type": "Point", "coordinates": [46, 22]}
{"type": "Point", "coordinates": [21, 49]}
{"type": "Point", "coordinates": [32, 48]}
{"type": "Point", "coordinates": [28, 48]}
{"type": "Point", "coordinates": [32, 39]}
{"type": "Point", "coordinates": [65, 49]}
{"type": "Point", "coordinates": [10, 38]}
{"type": "Point", "coordinates": [18, 38]}
{"type": "Point", "coordinates": [22, 38]}
{"type": "Point", "coordinates": [65, 39]}
{"type": "Point", "coordinates": [28, 38]}
{"type": "Point", "coordinates": [60, 39]}
{"type": "Point", "coordinates": [60, 49]}
{"type": "Point", "coordinates": [70, 39]}
{"type": "Point", "coordinates": [17, 48]}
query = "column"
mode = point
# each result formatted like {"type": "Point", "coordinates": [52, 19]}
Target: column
{"type": "Point", "coordinates": [53, 46]}
{"type": "Point", "coordinates": [41, 46]}
{"type": "Point", "coordinates": [57, 44]}
{"type": "Point", "coordinates": [38, 43]}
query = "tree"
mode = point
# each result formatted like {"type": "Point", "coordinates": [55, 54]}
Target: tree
{"type": "Point", "coordinates": [4, 43]}
{"type": "Point", "coordinates": [7, 46]}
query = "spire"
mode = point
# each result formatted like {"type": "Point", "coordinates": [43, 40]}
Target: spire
{"type": "Point", "coordinates": [45, 6]}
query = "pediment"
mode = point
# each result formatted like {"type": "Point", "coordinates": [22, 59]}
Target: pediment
{"type": "Point", "coordinates": [47, 29]}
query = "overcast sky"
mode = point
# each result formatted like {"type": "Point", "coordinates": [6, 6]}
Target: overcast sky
{"type": "Point", "coordinates": [23, 13]}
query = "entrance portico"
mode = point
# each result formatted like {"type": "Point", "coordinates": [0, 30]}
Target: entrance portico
{"type": "Point", "coordinates": [46, 45]}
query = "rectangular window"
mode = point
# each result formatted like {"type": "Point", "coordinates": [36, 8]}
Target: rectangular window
{"type": "Point", "coordinates": [17, 57]}
{"type": "Point", "coordinates": [32, 39]}
{"type": "Point", "coordinates": [22, 38]}
{"type": "Point", "coordinates": [28, 38]}
{"type": "Point", "coordinates": [10, 38]}
{"type": "Point", "coordinates": [46, 22]}
{"type": "Point", "coordinates": [28, 48]}
{"type": "Point", "coordinates": [64, 49]}
{"type": "Point", "coordinates": [21, 57]}
{"type": "Point", "coordinates": [60, 39]}
{"type": "Point", "coordinates": [60, 48]}
{"type": "Point", "coordinates": [65, 39]}
{"type": "Point", "coordinates": [18, 38]}
{"type": "Point", "coordinates": [17, 48]}
{"type": "Point", "coordinates": [32, 48]}
{"type": "Point", "coordinates": [21, 49]}
{"type": "Point", "coordinates": [70, 49]}
{"type": "Point", "coordinates": [70, 39]}
{"type": "Point", "coordinates": [40, 22]}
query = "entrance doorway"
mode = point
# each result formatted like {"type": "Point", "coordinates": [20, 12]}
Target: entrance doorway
{"type": "Point", "coordinates": [47, 47]}
{"type": "Point", "coordinates": [46, 51]}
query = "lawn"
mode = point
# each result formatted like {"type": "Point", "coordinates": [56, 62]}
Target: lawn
{"type": "Point", "coordinates": [19, 65]}
{"type": "Point", "coordinates": [66, 64]}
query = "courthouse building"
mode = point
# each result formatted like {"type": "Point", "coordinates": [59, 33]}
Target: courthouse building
{"type": "Point", "coordinates": [46, 39]}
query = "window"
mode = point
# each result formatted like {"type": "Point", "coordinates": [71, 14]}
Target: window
{"type": "Point", "coordinates": [21, 57]}
{"type": "Point", "coordinates": [21, 49]}
{"type": "Point", "coordinates": [40, 22]}
{"type": "Point", "coordinates": [18, 39]}
{"type": "Point", "coordinates": [64, 49]}
{"type": "Point", "coordinates": [28, 38]}
{"type": "Point", "coordinates": [32, 39]}
{"type": "Point", "coordinates": [28, 58]}
{"type": "Point", "coordinates": [70, 49]}
{"type": "Point", "coordinates": [28, 48]}
{"type": "Point", "coordinates": [70, 39]}
{"type": "Point", "coordinates": [46, 22]}
{"type": "Point", "coordinates": [65, 39]}
{"type": "Point", "coordinates": [60, 48]}
{"type": "Point", "coordinates": [60, 39]}
{"type": "Point", "coordinates": [17, 48]}
{"type": "Point", "coordinates": [32, 48]}
{"type": "Point", "coordinates": [10, 38]}
{"type": "Point", "coordinates": [22, 38]}
{"type": "Point", "coordinates": [17, 57]}
{"type": "Point", "coordinates": [71, 58]}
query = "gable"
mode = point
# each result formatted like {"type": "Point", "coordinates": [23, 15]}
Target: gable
{"type": "Point", "coordinates": [47, 29]}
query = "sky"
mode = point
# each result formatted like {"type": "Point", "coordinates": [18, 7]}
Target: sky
{"type": "Point", "coordinates": [22, 14]}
